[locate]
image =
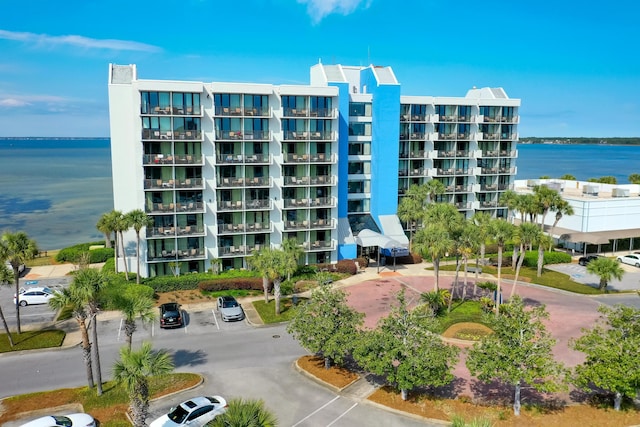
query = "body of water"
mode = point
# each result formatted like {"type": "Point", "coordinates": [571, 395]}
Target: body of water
{"type": "Point", "coordinates": [56, 190]}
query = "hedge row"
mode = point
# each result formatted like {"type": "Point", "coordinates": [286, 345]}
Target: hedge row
{"type": "Point", "coordinates": [239, 283]}
{"type": "Point", "coordinates": [73, 253]}
{"type": "Point", "coordinates": [191, 281]}
{"type": "Point", "coordinates": [531, 258]}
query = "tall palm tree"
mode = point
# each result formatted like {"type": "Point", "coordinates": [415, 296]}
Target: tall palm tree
{"type": "Point", "coordinates": [526, 234]}
{"type": "Point", "coordinates": [69, 298]}
{"type": "Point", "coordinates": [547, 199]}
{"type": "Point", "coordinates": [245, 413]}
{"type": "Point", "coordinates": [433, 188]}
{"type": "Point", "coordinates": [411, 210]}
{"type": "Point", "coordinates": [133, 307]}
{"type": "Point", "coordinates": [468, 243]}
{"type": "Point", "coordinates": [138, 219]}
{"type": "Point", "coordinates": [259, 261]}
{"type": "Point", "coordinates": [434, 241]}
{"type": "Point", "coordinates": [445, 214]}
{"type": "Point", "coordinates": [17, 248]}
{"type": "Point", "coordinates": [607, 269]}
{"type": "Point", "coordinates": [511, 200]}
{"type": "Point", "coordinates": [293, 249]}
{"type": "Point", "coordinates": [106, 226]}
{"type": "Point", "coordinates": [133, 371]}
{"type": "Point", "coordinates": [87, 283]}
{"type": "Point", "coordinates": [529, 207]}
{"type": "Point", "coordinates": [482, 221]}
{"type": "Point", "coordinates": [121, 224]}
{"type": "Point", "coordinates": [562, 208]}
{"type": "Point", "coordinates": [501, 231]}
{"type": "Point", "coordinates": [6, 277]}
{"type": "Point", "coordinates": [544, 242]}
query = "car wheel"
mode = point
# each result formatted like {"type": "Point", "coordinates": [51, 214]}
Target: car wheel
{"type": "Point", "coordinates": [23, 303]}
{"type": "Point", "coordinates": [637, 264]}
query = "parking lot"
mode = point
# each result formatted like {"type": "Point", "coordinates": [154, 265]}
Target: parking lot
{"type": "Point", "coordinates": [630, 280]}
{"type": "Point", "coordinates": [31, 314]}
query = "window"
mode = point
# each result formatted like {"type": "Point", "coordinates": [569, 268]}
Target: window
{"type": "Point", "coordinates": [360, 109]}
{"type": "Point", "coordinates": [359, 129]}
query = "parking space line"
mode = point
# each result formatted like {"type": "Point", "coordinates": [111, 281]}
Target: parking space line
{"type": "Point", "coordinates": [316, 411]}
{"type": "Point", "coordinates": [120, 329]}
{"type": "Point", "coordinates": [185, 325]}
{"type": "Point", "coordinates": [215, 318]}
{"type": "Point", "coordinates": [342, 415]}
{"type": "Point", "coordinates": [153, 329]}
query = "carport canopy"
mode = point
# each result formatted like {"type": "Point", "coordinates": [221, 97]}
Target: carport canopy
{"type": "Point", "coordinates": [367, 238]}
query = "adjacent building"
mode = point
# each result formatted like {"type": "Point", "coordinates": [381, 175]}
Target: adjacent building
{"type": "Point", "coordinates": [225, 169]}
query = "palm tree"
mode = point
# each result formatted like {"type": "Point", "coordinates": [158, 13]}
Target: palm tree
{"type": "Point", "coordinates": [468, 243]}
{"type": "Point", "coordinates": [133, 371]}
{"type": "Point", "coordinates": [17, 248]}
{"type": "Point", "coordinates": [528, 206]}
{"type": "Point", "coordinates": [569, 177]}
{"type": "Point", "coordinates": [547, 199]}
{"type": "Point", "coordinates": [294, 250]}
{"type": "Point", "coordinates": [87, 283]}
{"type": "Point", "coordinates": [433, 188]}
{"type": "Point", "coordinates": [245, 413]}
{"type": "Point", "coordinates": [434, 241]}
{"type": "Point", "coordinates": [69, 298]}
{"type": "Point", "coordinates": [634, 178]}
{"type": "Point", "coordinates": [445, 214]}
{"type": "Point", "coordinates": [526, 234]}
{"type": "Point", "coordinates": [121, 225]}
{"type": "Point", "coordinates": [511, 200]}
{"type": "Point", "coordinates": [607, 269]}
{"type": "Point", "coordinates": [132, 307]}
{"type": "Point", "coordinates": [6, 277]}
{"type": "Point", "coordinates": [482, 221]}
{"type": "Point", "coordinates": [106, 225]}
{"type": "Point", "coordinates": [501, 231]}
{"type": "Point", "coordinates": [259, 261]}
{"type": "Point", "coordinates": [562, 208]}
{"type": "Point", "coordinates": [544, 242]}
{"type": "Point", "coordinates": [138, 219]}
{"type": "Point", "coordinates": [411, 209]}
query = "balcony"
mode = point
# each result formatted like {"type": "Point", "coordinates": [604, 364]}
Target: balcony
{"type": "Point", "coordinates": [417, 136]}
{"type": "Point", "coordinates": [319, 202]}
{"type": "Point", "coordinates": [180, 207]}
{"type": "Point", "coordinates": [252, 227]}
{"type": "Point", "coordinates": [462, 136]}
{"type": "Point", "coordinates": [462, 205]}
{"type": "Point", "coordinates": [322, 136]}
{"type": "Point", "coordinates": [488, 204]}
{"type": "Point", "coordinates": [242, 250]}
{"type": "Point", "coordinates": [295, 112]}
{"type": "Point", "coordinates": [441, 172]}
{"type": "Point", "coordinates": [491, 119]}
{"type": "Point", "coordinates": [156, 134]}
{"type": "Point", "coordinates": [447, 136]}
{"type": "Point", "coordinates": [507, 171]}
{"type": "Point", "coordinates": [305, 180]}
{"type": "Point", "coordinates": [244, 182]}
{"type": "Point", "coordinates": [418, 118]}
{"type": "Point", "coordinates": [417, 172]}
{"type": "Point", "coordinates": [445, 153]}
{"type": "Point", "coordinates": [328, 113]}
{"type": "Point", "coordinates": [188, 230]}
{"type": "Point", "coordinates": [316, 224]}
{"type": "Point", "coordinates": [310, 158]}
{"type": "Point", "coordinates": [488, 171]}
{"type": "Point", "coordinates": [188, 135]}
{"type": "Point", "coordinates": [260, 111]}
{"type": "Point", "coordinates": [462, 153]}
{"type": "Point", "coordinates": [169, 159]}
{"type": "Point", "coordinates": [238, 135]}
{"type": "Point", "coordinates": [159, 184]}
{"type": "Point", "coordinates": [177, 254]}
{"type": "Point", "coordinates": [444, 118]}
{"type": "Point", "coordinates": [226, 159]}
{"type": "Point", "coordinates": [488, 187]}
{"type": "Point", "coordinates": [318, 245]}
{"type": "Point", "coordinates": [511, 154]}
{"type": "Point", "coordinates": [296, 136]}
{"type": "Point", "coordinates": [490, 153]}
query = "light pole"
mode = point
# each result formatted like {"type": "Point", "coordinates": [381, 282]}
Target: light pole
{"type": "Point", "coordinates": [393, 251]}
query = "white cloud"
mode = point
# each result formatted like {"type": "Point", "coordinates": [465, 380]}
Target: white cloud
{"type": "Point", "coordinates": [318, 9]}
{"type": "Point", "coordinates": [77, 41]}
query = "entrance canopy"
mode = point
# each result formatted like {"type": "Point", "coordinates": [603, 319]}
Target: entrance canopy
{"type": "Point", "coordinates": [388, 246]}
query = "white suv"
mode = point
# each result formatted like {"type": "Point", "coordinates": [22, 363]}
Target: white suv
{"type": "Point", "coordinates": [631, 259]}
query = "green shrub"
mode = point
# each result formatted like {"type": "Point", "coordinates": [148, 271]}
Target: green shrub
{"type": "Point", "coordinates": [117, 288]}
{"type": "Point", "coordinates": [409, 259]}
{"type": "Point", "coordinates": [109, 266]}
{"type": "Point", "coordinates": [347, 266]}
{"type": "Point", "coordinates": [531, 258]}
{"type": "Point", "coordinates": [287, 287]}
{"type": "Point", "coordinates": [73, 253]}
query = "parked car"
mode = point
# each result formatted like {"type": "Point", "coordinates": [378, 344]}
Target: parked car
{"type": "Point", "coordinates": [229, 308]}
{"type": "Point", "coordinates": [71, 420]}
{"type": "Point", "coordinates": [584, 260]}
{"type": "Point", "coordinates": [32, 296]}
{"type": "Point", "coordinates": [197, 411]}
{"type": "Point", "coordinates": [21, 268]}
{"type": "Point", "coordinates": [170, 315]}
{"type": "Point", "coordinates": [632, 259]}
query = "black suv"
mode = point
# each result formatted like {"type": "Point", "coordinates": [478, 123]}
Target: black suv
{"type": "Point", "coordinates": [584, 260]}
{"type": "Point", "coordinates": [170, 315]}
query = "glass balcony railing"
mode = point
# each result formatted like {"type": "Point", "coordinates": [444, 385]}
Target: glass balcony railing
{"type": "Point", "coordinates": [176, 110]}
{"type": "Point", "coordinates": [308, 203]}
{"type": "Point", "coordinates": [231, 158]}
{"type": "Point", "coordinates": [179, 207]}
{"type": "Point", "coordinates": [159, 184]}
{"type": "Point", "coordinates": [244, 182]}
{"type": "Point", "coordinates": [249, 227]}
{"type": "Point", "coordinates": [306, 180]}
{"type": "Point", "coordinates": [170, 159]}
{"type": "Point", "coordinates": [171, 231]}
{"type": "Point", "coordinates": [319, 245]}
{"type": "Point", "coordinates": [252, 135]}
{"type": "Point", "coordinates": [244, 205]}
{"type": "Point", "coordinates": [176, 254]}
{"type": "Point", "coordinates": [309, 224]}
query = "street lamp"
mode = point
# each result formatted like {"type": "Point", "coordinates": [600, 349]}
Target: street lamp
{"type": "Point", "coordinates": [393, 252]}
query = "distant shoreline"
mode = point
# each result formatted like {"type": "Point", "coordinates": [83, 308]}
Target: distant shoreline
{"type": "Point", "coordinates": [53, 138]}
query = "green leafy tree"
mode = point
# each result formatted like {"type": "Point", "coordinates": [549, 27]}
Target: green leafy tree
{"type": "Point", "coordinates": [519, 351]}
{"type": "Point", "coordinates": [611, 348]}
{"type": "Point", "coordinates": [482, 221]}
{"type": "Point", "coordinates": [245, 413]}
{"type": "Point", "coordinates": [133, 370]}
{"type": "Point", "coordinates": [133, 307]}
{"type": "Point", "coordinates": [568, 177]}
{"type": "Point", "coordinates": [138, 219]}
{"type": "Point", "coordinates": [468, 243]}
{"type": "Point", "coordinates": [259, 261]}
{"type": "Point", "coordinates": [87, 284]}
{"type": "Point", "coordinates": [411, 208]}
{"type": "Point", "coordinates": [406, 350]}
{"type": "Point", "coordinates": [547, 199]}
{"type": "Point", "coordinates": [606, 269]}
{"type": "Point", "coordinates": [435, 300]}
{"type": "Point", "coordinates": [501, 232]}
{"type": "Point", "coordinates": [273, 264]}
{"type": "Point", "coordinates": [17, 248]}
{"type": "Point", "coordinates": [70, 299]}
{"type": "Point", "coordinates": [433, 188]}
{"type": "Point", "coordinates": [634, 178]}
{"type": "Point", "coordinates": [445, 214]}
{"type": "Point", "coordinates": [325, 324]}
{"type": "Point", "coordinates": [293, 249]}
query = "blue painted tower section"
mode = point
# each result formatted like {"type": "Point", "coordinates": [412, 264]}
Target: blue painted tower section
{"type": "Point", "coordinates": [385, 132]}
{"type": "Point", "coordinates": [345, 251]}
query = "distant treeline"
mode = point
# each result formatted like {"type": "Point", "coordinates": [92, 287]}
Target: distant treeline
{"type": "Point", "coordinates": [562, 140]}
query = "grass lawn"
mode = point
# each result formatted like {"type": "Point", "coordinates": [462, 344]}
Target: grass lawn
{"type": "Point", "coordinates": [50, 259]}
{"type": "Point", "coordinates": [461, 311]}
{"type": "Point", "coordinates": [267, 312]}
{"type": "Point", "coordinates": [551, 279]}
{"type": "Point", "coordinates": [109, 409]}
{"type": "Point", "coordinates": [30, 340]}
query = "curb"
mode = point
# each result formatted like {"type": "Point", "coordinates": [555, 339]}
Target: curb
{"type": "Point", "coordinates": [179, 391]}
{"type": "Point", "coordinates": [319, 381]}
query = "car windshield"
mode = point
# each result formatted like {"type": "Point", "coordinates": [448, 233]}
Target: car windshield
{"type": "Point", "coordinates": [62, 421]}
{"type": "Point", "coordinates": [178, 415]}
{"type": "Point", "coordinates": [229, 304]}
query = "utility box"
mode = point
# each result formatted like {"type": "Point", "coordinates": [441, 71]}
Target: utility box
{"type": "Point", "coordinates": [620, 192]}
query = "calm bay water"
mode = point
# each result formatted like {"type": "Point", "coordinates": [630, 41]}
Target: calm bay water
{"type": "Point", "coordinates": [56, 190]}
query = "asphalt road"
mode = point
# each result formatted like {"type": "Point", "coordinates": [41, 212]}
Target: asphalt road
{"type": "Point", "coordinates": [236, 360]}
{"type": "Point", "coordinates": [32, 314]}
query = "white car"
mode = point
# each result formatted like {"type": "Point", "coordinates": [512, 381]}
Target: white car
{"type": "Point", "coordinates": [632, 259]}
{"type": "Point", "coordinates": [229, 308]}
{"type": "Point", "coordinates": [36, 295]}
{"type": "Point", "coordinates": [197, 411]}
{"type": "Point", "coordinates": [71, 420]}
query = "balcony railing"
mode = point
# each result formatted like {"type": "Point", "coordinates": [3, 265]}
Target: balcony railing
{"type": "Point", "coordinates": [188, 230]}
{"type": "Point", "coordinates": [244, 182]}
{"type": "Point", "coordinates": [326, 135]}
{"type": "Point", "coordinates": [462, 205]}
{"type": "Point", "coordinates": [318, 245]}
{"type": "Point", "coordinates": [417, 172]}
{"type": "Point", "coordinates": [307, 203]}
{"type": "Point", "coordinates": [155, 134]}
{"type": "Point", "coordinates": [176, 254]}
{"type": "Point", "coordinates": [234, 135]}
{"type": "Point", "coordinates": [488, 204]}
{"type": "Point", "coordinates": [252, 227]}
{"type": "Point", "coordinates": [509, 171]}
{"type": "Point", "coordinates": [240, 205]}
{"type": "Point", "coordinates": [445, 153]}
{"type": "Point", "coordinates": [488, 171]}
{"type": "Point", "coordinates": [242, 250]}
{"type": "Point", "coordinates": [295, 112]}
{"type": "Point", "coordinates": [447, 136]}
{"type": "Point", "coordinates": [306, 180]}
{"type": "Point", "coordinates": [296, 136]}
{"type": "Point", "coordinates": [495, 153]}
{"type": "Point", "coordinates": [222, 159]}
{"type": "Point", "coordinates": [443, 172]}
{"type": "Point", "coordinates": [444, 118]}
{"type": "Point", "coordinates": [506, 153]}
{"type": "Point", "coordinates": [177, 110]}
{"type": "Point", "coordinates": [309, 158]}
{"type": "Point", "coordinates": [179, 207]}
{"type": "Point", "coordinates": [492, 119]}
{"type": "Point", "coordinates": [164, 159]}
{"type": "Point", "coordinates": [159, 184]}
{"type": "Point", "coordinates": [307, 225]}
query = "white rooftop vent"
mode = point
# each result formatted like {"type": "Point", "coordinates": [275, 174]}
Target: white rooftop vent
{"type": "Point", "coordinates": [533, 182]}
{"type": "Point", "coordinates": [591, 190]}
{"type": "Point", "coordinates": [554, 186]}
{"type": "Point", "coordinates": [620, 192]}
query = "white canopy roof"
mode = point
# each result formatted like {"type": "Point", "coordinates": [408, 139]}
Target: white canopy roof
{"type": "Point", "coordinates": [368, 238]}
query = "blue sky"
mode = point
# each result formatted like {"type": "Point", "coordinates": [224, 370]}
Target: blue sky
{"type": "Point", "coordinates": [575, 65]}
